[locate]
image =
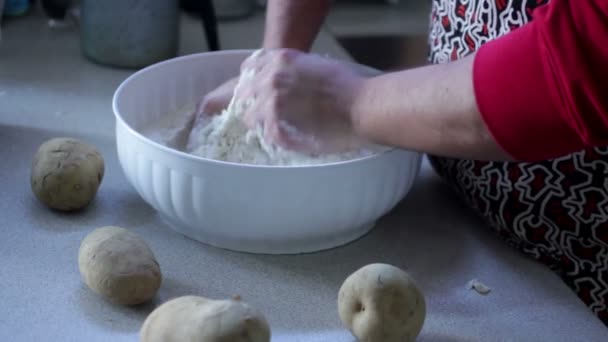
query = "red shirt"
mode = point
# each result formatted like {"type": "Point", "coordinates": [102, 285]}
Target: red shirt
{"type": "Point", "coordinates": [543, 88]}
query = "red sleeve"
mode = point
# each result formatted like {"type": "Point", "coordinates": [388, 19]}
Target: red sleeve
{"type": "Point", "coordinates": [543, 88]}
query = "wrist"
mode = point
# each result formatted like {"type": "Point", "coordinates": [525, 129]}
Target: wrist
{"type": "Point", "coordinates": [275, 43]}
{"type": "Point", "coordinates": [356, 112]}
{"type": "Point", "coordinates": [344, 86]}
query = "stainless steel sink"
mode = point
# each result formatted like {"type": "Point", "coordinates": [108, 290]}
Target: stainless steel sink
{"type": "Point", "coordinates": [387, 52]}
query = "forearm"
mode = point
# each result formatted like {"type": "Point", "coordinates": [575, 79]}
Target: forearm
{"type": "Point", "coordinates": [294, 23]}
{"type": "Point", "coordinates": [430, 109]}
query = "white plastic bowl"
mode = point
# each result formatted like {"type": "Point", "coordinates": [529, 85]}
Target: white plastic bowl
{"type": "Point", "coordinates": [258, 209]}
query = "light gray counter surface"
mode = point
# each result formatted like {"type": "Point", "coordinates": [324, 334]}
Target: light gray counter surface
{"type": "Point", "coordinates": [47, 89]}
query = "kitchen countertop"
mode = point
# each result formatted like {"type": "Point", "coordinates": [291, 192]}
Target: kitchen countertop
{"type": "Point", "coordinates": [48, 89]}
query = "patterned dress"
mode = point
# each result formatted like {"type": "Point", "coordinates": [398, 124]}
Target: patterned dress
{"type": "Point", "coordinates": [555, 211]}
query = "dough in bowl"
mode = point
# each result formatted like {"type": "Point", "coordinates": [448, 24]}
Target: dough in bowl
{"type": "Point", "coordinates": [225, 137]}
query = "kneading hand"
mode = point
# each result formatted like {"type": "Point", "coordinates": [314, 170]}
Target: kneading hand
{"type": "Point", "coordinates": [301, 101]}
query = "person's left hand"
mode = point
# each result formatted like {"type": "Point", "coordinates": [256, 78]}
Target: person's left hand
{"type": "Point", "coordinates": [302, 101]}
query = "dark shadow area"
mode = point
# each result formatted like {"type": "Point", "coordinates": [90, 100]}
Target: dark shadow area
{"type": "Point", "coordinates": [387, 52]}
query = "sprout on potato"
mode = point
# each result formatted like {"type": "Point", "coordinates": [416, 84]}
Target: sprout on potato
{"type": "Point", "coordinates": [192, 318]}
{"type": "Point", "coordinates": [381, 303]}
{"type": "Point", "coordinates": [119, 265]}
{"type": "Point", "coordinates": [66, 173]}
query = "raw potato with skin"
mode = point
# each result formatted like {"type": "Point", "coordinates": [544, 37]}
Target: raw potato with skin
{"type": "Point", "coordinates": [119, 265]}
{"type": "Point", "coordinates": [66, 173]}
{"type": "Point", "coordinates": [198, 319]}
{"type": "Point", "coordinates": [381, 303]}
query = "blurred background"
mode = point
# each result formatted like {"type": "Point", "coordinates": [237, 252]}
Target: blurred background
{"type": "Point", "coordinates": [385, 34]}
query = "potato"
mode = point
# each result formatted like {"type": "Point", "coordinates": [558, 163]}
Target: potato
{"type": "Point", "coordinates": [66, 173]}
{"type": "Point", "coordinates": [192, 318]}
{"type": "Point", "coordinates": [381, 303]}
{"type": "Point", "coordinates": [119, 265]}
